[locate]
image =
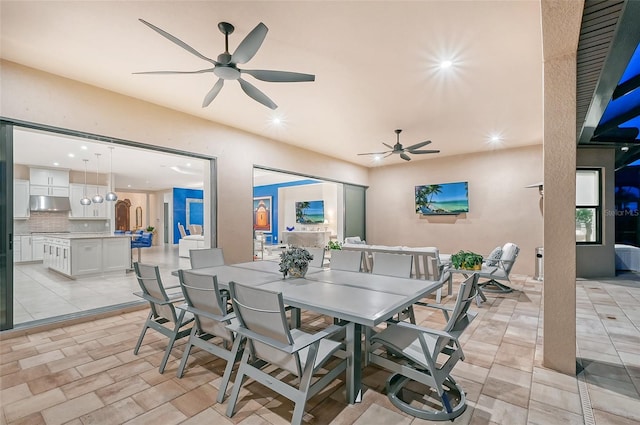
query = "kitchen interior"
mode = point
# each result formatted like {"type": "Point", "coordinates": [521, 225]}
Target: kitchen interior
{"type": "Point", "coordinates": [67, 259]}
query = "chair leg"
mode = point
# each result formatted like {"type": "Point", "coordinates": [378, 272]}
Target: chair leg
{"type": "Point", "coordinates": [235, 353]}
{"type": "Point", "coordinates": [172, 340]}
{"type": "Point", "coordinates": [238, 384]}
{"type": "Point", "coordinates": [305, 383]}
{"type": "Point", "coordinates": [185, 355]}
{"type": "Point", "coordinates": [496, 287]}
{"type": "Point", "coordinates": [144, 331]}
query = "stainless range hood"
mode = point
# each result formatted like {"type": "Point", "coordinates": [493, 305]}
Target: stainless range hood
{"type": "Point", "coordinates": [49, 203]}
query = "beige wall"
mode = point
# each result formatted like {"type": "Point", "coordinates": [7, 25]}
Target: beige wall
{"type": "Point", "coordinates": [42, 98]}
{"type": "Point", "coordinates": [501, 209]}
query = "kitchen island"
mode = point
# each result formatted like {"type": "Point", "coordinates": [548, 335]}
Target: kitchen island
{"type": "Point", "coordinates": [78, 255]}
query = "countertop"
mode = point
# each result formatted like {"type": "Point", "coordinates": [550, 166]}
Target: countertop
{"type": "Point", "coordinates": [85, 235]}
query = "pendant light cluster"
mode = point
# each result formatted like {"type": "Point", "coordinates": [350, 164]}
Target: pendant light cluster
{"type": "Point", "coordinates": [97, 198]}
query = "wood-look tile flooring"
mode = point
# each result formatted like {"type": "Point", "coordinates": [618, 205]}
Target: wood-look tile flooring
{"type": "Point", "coordinates": [87, 373]}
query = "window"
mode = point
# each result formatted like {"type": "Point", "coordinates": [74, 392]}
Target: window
{"type": "Point", "coordinates": [588, 206]}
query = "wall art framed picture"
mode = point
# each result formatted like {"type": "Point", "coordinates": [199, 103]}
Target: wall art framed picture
{"type": "Point", "coordinates": [262, 214]}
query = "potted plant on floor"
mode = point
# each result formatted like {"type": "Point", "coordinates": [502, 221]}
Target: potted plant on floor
{"type": "Point", "coordinates": [466, 260]}
{"type": "Point", "coordinates": [295, 262]}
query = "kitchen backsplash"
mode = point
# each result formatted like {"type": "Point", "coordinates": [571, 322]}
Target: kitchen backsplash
{"type": "Point", "coordinates": [57, 222]}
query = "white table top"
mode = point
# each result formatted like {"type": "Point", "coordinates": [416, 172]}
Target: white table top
{"type": "Point", "coordinates": [225, 274]}
{"type": "Point", "coordinates": [388, 284]}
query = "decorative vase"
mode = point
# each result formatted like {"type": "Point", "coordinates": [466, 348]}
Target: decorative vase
{"type": "Point", "coordinates": [298, 272]}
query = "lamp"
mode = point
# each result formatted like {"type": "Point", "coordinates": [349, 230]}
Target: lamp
{"type": "Point", "coordinates": [97, 198]}
{"type": "Point", "coordinates": [111, 196]}
{"type": "Point", "coordinates": [85, 200]}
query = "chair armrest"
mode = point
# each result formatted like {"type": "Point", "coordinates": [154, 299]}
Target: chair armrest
{"type": "Point", "coordinates": [157, 300]}
{"type": "Point", "coordinates": [198, 312]}
{"type": "Point", "coordinates": [298, 345]}
{"type": "Point", "coordinates": [429, 331]}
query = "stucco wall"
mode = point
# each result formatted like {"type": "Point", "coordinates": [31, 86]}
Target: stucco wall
{"type": "Point", "coordinates": [34, 96]}
{"type": "Point", "coordinates": [501, 209]}
{"type": "Point", "coordinates": [599, 260]}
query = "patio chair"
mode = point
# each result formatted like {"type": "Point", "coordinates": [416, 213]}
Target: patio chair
{"type": "Point", "coordinates": [345, 260]}
{"type": "Point", "coordinates": [396, 265]}
{"type": "Point", "coordinates": [209, 332]}
{"type": "Point", "coordinates": [498, 268]}
{"type": "Point", "coordinates": [318, 256]}
{"type": "Point", "coordinates": [262, 322]}
{"type": "Point", "coordinates": [426, 356]}
{"type": "Point", "coordinates": [162, 315]}
{"type": "Point", "coordinates": [209, 257]}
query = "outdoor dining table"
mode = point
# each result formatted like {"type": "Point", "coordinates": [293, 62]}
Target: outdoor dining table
{"type": "Point", "coordinates": [359, 299]}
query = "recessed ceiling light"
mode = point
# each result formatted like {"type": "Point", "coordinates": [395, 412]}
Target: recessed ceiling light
{"type": "Point", "coordinates": [83, 147]}
{"type": "Point", "coordinates": [276, 121]}
{"type": "Point", "coordinates": [56, 163]}
{"type": "Point", "coordinates": [446, 64]}
{"type": "Point", "coordinates": [128, 185]}
{"type": "Point", "coordinates": [71, 155]}
{"type": "Point", "coordinates": [495, 138]}
{"type": "Point", "coordinates": [188, 164]}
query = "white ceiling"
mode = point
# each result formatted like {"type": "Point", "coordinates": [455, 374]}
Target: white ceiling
{"type": "Point", "coordinates": [376, 66]}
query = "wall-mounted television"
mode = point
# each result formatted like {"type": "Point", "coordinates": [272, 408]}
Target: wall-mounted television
{"type": "Point", "coordinates": [310, 212]}
{"type": "Point", "coordinates": [442, 199]}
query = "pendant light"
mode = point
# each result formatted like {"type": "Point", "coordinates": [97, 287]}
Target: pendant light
{"type": "Point", "coordinates": [85, 200]}
{"type": "Point", "coordinates": [97, 198]}
{"type": "Point", "coordinates": [111, 196]}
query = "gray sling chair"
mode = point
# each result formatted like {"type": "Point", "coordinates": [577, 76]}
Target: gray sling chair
{"type": "Point", "coordinates": [397, 265]}
{"type": "Point", "coordinates": [262, 322]}
{"type": "Point", "coordinates": [350, 261]}
{"type": "Point", "coordinates": [426, 356]}
{"type": "Point", "coordinates": [318, 256]}
{"type": "Point", "coordinates": [162, 315]}
{"type": "Point", "coordinates": [209, 332]}
{"type": "Point", "coordinates": [209, 257]}
{"type": "Point", "coordinates": [498, 269]}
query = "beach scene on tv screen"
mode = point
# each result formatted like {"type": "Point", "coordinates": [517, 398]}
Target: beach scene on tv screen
{"type": "Point", "coordinates": [310, 212]}
{"type": "Point", "coordinates": [445, 198]}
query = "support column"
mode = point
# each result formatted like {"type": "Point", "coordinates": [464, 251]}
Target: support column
{"type": "Point", "coordinates": [561, 22]}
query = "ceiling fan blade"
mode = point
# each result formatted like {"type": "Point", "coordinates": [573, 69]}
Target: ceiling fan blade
{"type": "Point", "coordinates": [373, 153]}
{"type": "Point", "coordinates": [178, 41]}
{"type": "Point", "coordinates": [250, 45]}
{"type": "Point", "coordinates": [389, 146]}
{"type": "Point", "coordinates": [418, 152]}
{"type": "Point", "coordinates": [279, 76]}
{"type": "Point", "coordinates": [387, 155]}
{"type": "Point", "coordinates": [418, 145]}
{"type": "Point", "coordinates": [200, 71]}
{"type": "Point", "coordinates": [405, 156]}
{"type": "Point", "coordinates": [213, 93]}
{"type": "Point", "coordinates": [253, 92]}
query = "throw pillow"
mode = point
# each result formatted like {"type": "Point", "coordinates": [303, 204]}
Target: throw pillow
{"type": "Point", "coordinates": [495, 255]}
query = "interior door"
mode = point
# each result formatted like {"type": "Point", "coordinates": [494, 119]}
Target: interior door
{"type": "Point", "coordinates": [6, 226]}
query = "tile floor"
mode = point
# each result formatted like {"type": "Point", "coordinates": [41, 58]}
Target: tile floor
{"type": "Point", "coordinates": [40, 293]}
{"type": "Point", "coordinates": [86, 373]}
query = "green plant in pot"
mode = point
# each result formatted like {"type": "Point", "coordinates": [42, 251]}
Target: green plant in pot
{"type": "Point", "coordinates": [585, 216]}
{"type": "Point", "coordinates": [150, 229]}
{"type": "Point", "coordinates": [295, 262]}
{"type": "Point", "coordinates": [466, 260]}
{"type": "Point", "coordinates": [334, 245]}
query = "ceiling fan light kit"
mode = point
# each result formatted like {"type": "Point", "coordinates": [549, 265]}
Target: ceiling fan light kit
{"type": "Point", "coordinates": [402, 151]}
{"type": "Point", "coordinates": [226, 65]}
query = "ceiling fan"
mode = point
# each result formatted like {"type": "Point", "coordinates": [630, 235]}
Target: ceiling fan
{"type": "Point", "coordinates": [397, 148]}
{"type": "Point", "coordinates": [226, 65]}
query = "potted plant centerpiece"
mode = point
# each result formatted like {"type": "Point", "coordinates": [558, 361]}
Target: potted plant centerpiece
{"type": "Point", "coordinates": [334, 245]}
{"type": "Point", "coordinates": [466, 260]}
{"type": "Point", "coordinates": [295, 262]}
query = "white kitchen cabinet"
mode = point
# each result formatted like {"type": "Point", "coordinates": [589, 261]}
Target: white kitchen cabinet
{"type": "Point", "coordinates": [48, 177]}
{"type": "Point", "coordinates": [87, 256]}
{"type": "Point", "coordinates": [21, 199]}
{"type": "Point", "coordinates": [17, 249]}
{"type": "Point", "coordinates": [45, 181]}
{"type": "Point", "coordinates": [93, 211]}
{"type": "Point", "coordinates": [25, 248]}
{"type": "Point", "coordinates": [37, 248]}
